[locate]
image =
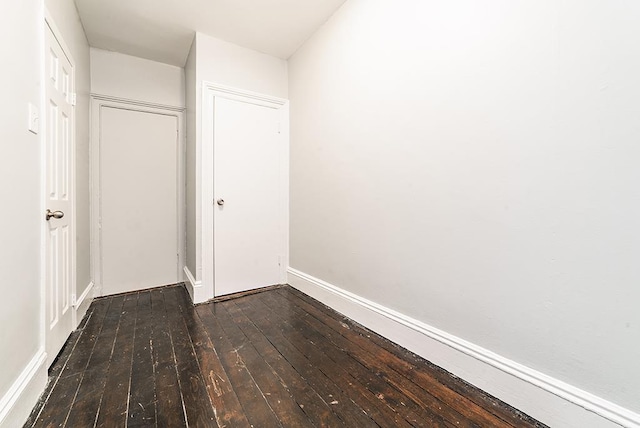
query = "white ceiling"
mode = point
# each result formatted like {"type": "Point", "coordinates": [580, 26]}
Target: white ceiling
{"type": "Point", "coordinates": [162, 30]}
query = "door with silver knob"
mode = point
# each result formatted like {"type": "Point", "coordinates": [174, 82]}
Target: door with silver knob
{"type": "Point", "coordinates": [59, 177]}
{"type": "Point", "coordinates": [249, 231]}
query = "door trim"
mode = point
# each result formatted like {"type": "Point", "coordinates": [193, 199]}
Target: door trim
{"type": "Point", "coordinates": [98, 102]}
{"type": "Point", "coordinates": [204, 177]}
{"type": "Point", "coordinates": [51, 25]}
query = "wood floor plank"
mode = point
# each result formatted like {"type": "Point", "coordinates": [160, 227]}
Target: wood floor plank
{"type": "Point", "coordinates": [413, 363]}
{"type": "Point", "coordinates": [273, 358]}
{"type": "Point", "coordinates": [84, 348]}
{"type": "Point", "coordinates": [54, 375]}
{"type": "Point", "coordinates": [342, 403]}
{"type": "Point", "coordinates": [342, 380]}
{"type": "Point", "coordinates": [223, 398]}
{"type": "Point", "coordinates": [169, 407]}
{"type": "Point", "coordinates": [254, 404]}
{"type": "Point", "coordinates": [371, 362]}
{"type": "Point", "coordinates": [73, 371]}
{"type": "Point", "coordinates": [390, 403]}
{"type": "Point", "coordinates": [378, 358]}
{"type": "Point", "coordinates": [114, 404]}
{"type": "Point", "coordinates": [87, 401]}
{"type": "Point", "coordinates": [276, 392]}
{"type": "Point", "coordinates": [317, 409]}
{"type": "Point", "coordinates": [195, 398]}
{"type": "Point", "coordinates": [142, 395]}
{"type": "Point", "coordinates": [397, 392]}
{"type": "Point", "coordinates": [64, 392]}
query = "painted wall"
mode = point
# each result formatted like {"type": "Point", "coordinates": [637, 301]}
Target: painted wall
{"type": "Point", "coordinates": [227, 64]}
{"type": "Point", "coordinates": [232, 65]}
{"type": "Point", "coordinates": [474, 165]}
{"type": "Point", "coordinates": [20, 190]}
{"type": "Point", "coordinates": [134, 78]}
{"type": "Point", "coordinates": [66, 18]}
{"type": "Point", "coordinates": [192, 102]}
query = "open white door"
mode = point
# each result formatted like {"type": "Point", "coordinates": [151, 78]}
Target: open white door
{"type": "Point", "coordinates": [249, 219]}
{"type": "Point", "coordinates": [59, 239]}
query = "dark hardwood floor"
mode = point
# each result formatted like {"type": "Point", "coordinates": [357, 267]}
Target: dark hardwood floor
{"type": "Point", "coordinates": [271, 359]}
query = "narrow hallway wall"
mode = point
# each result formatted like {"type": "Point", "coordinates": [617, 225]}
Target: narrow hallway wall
{"type": "Point", "coordinates": [474, 166]}
{"type": "Point", "coordinates": [22, 372]}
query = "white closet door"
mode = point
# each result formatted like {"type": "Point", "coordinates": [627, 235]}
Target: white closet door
{"type": "Point", "coordinates": [248, 220]}
{"type": "Point", "coordinates": [139, 208]}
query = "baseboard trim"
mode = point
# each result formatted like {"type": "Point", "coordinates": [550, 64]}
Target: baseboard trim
{"type": "Point", "coordinates": [190, 278]}
{"type": "Point", "coordinates": [83, 296]}
{"type": "Point", "coordinates": [195, 288]}
{"type": "Point", "coordinates": [81, 305]}
{"type": "Point", "coordinates": [16, 404]}
{"type": "Point", "coordinates": [543, 397]}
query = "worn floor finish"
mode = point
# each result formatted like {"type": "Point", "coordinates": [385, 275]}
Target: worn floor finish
{"type": "Point", "coordinates": [276, 358]}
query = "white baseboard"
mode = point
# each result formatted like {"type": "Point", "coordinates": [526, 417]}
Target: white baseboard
{"type": "Point", "coordinates": [195, 288]}
{"type": "Point", "coordinates": [81, 304]}
{"type": "Point", "coordinates": [543, 397]}
{"type": "Point", "coordinates": [17, 403]}
{"type": "Point", "coordinates": [79, 301]}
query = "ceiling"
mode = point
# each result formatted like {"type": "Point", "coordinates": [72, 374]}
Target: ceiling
{"type": "Point", "coordinates": [162, 30]}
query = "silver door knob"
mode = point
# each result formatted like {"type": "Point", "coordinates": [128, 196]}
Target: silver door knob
{"type": "Point", "coordinates": [220, 202]}
{"type": "Point", "coordinates": [54, 214]}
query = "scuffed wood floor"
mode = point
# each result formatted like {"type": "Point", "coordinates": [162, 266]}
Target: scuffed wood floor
{"type": "Point", "coordinates": [272, 359]}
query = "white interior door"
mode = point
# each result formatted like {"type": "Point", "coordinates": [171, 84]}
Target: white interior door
{"type": "Point", "coordinates": [248, 212]}
{"type": "Point", "coordinates": [138, 199]}
{"type": "Point", "coordinates": [59, 193]}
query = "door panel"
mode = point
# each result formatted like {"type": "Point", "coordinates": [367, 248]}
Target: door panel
{"type": "Point", "coordinates": [248, 226]}
{"type": "Point", "coordinates": [139, 208]}
{"type": "Point", "coordinates": [59, 176]}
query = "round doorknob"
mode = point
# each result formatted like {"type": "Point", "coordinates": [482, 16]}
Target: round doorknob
{"type": "Point", "coordinates": [54, 214]}
{"type": "Point", "coordinates": [220, 202]}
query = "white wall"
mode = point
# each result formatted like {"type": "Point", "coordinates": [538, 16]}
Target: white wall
{"type": "Point", "coordinates": [226, 64]}
{"type": "Point", "coordinates": [67, 21]}
{"type": "Point", "coordinates": [134, 78]}
{"type": "Point", "coordinates": [232, 65]}
{"type": "Point", "coordinates": [474, 165]}
{"type": "Point", "coordinates": [22, 213]}
{"type": "Point", "coordinates": [192, 103]}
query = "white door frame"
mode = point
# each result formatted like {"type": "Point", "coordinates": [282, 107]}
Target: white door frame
{"type": "Point", "coordinates": [99, 102]}
{"type": "Point", "coordinates": [204, 288]}
{"type": "Point", "coordinates": [50, 24]}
